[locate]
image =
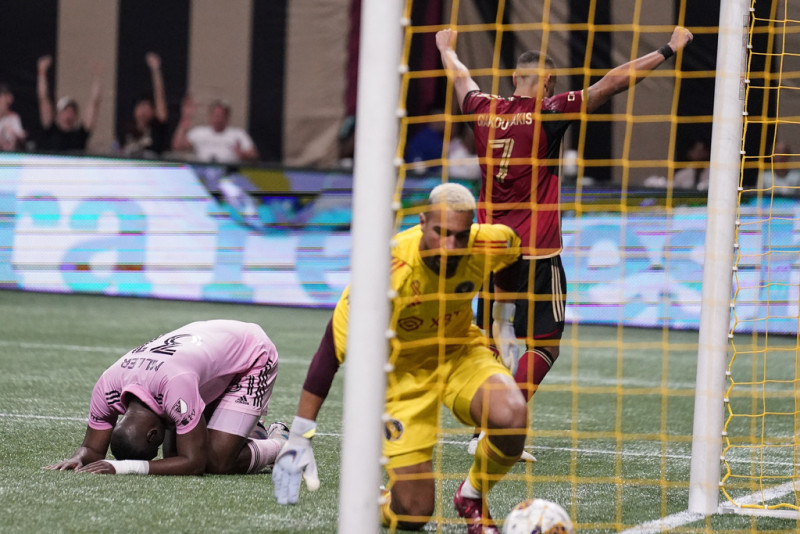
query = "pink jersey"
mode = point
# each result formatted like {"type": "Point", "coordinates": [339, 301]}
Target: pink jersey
{"type": "Point", "coordinates": [177, 374]}
{"type": "Point", "coordinates": [505, 132]}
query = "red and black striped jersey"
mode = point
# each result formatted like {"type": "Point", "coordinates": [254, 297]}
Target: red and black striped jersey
{"type": "Point", "coordinates": [518, 140]}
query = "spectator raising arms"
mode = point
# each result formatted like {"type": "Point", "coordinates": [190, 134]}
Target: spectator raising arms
{"type": "Point", "coordinates": [12, 136]}
{"type": "Point", "coordinates": [145, 134]}
{"type": "Point", "coordinates": [65, 130]}
{"type": "Point", "coordinates": [215, 142]}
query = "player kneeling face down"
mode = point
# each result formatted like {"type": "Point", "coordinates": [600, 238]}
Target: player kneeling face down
{"type": "Point", "coordinates": [200, 390]}
{"type": "Point", "coordinates": [441, 262]}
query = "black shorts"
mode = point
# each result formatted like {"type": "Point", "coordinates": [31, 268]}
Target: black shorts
{"type": "Point", "coordinates": [547, 300]}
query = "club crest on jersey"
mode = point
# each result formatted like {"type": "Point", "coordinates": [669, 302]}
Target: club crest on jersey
{"type": "Point", "coordinates": [465, 287]}
{"type": "Point", "coordinates": [180, 407]}
{"type": "Point", "coordinates": [392, 430]}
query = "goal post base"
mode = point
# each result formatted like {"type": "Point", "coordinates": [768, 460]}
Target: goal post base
{"type": "Point", "coordinates": [761, 512]}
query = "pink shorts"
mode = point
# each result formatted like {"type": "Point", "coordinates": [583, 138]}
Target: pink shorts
{"type": "Point", "coordinates": [246, 399]}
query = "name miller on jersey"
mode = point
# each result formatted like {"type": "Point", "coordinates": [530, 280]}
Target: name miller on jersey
{"type": "Point", "coordinates": [503, 122]}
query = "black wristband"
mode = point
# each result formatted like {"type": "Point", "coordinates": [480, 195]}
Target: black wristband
{"type": "Point", "coordinates": [666, 51]}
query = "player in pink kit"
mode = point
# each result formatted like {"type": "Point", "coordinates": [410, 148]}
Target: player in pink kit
{"type": "Point", "coordinates": [519, 139]}
{"type": "Point", "coordinates": [200, 390]}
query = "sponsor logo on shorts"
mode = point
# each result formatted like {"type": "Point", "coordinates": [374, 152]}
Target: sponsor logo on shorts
{"type": "Point", "coordinates": [392, 430]}
{"type": "Point", "coordinates": [242, 400]}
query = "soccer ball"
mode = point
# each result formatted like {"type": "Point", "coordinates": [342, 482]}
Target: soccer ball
{"type": "Point", "coordinates": [538, 516]}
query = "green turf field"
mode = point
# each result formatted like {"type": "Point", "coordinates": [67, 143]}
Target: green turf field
{"type": "Point", "coordinates": [610, 428]}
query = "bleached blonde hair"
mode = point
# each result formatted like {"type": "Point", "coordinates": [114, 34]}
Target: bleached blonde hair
{"type": "Point", "coordinates": [454, 196]}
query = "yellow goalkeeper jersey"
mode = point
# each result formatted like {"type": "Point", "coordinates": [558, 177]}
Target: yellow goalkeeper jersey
{"type": "Point", "coordinates": [431, 314]}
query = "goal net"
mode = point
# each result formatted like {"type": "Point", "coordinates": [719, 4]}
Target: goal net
{"type": "Point", "coordinates": [612, 423]}
{"type": "Point", "coordinates": [761, 454]}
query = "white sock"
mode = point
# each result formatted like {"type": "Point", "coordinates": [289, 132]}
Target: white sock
{"type": "Point", "coordinates": [263, 453]}
{"type": "Point", "coordinates": [468, 491]}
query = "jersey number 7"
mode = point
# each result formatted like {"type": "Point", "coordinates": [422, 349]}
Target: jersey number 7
{"type": "Point", "coordinates": [505, 146]}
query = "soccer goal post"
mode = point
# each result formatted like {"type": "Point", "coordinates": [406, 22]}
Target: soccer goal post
{"type": "Point", "coordinates": [726, 147]}
{"type": "Point", "coordinates": [374, 180]}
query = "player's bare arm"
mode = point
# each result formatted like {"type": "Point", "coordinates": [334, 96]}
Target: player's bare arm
{"type": "Point", "coordinates": [43, 92]}
{"type": "Point", "coordinates": [190, 458]}
{"type": "Point", "coordinates": [309, 405]}
{"type": "Point", "coordinates": [94, 447]}
{"type": "Point", "coordinates": [623, 77]}
{"type": "Point", "coordinates": [179, 138]}
{"type": "Point", "coordinates": [95, 97]}
{"type": "Point", "coordinates": [153, 61]}
{"type": "Point", "coordinates": [456, 70]}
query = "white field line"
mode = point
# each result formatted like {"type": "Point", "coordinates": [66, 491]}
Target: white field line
{"type": "Point", "coordinates": [651, 527]}
{"type": "Point", "coordinates": [683, 518]}
{"type": "Point", "coordinates": [456, 443]}
{"type": "Point", "coordinates": [112, 351]}
{"type": "Point", "coordinates": [553, 378]}
{"type": "Point", "coordinates": [47, 417]}
{"type": "Point", "coordinates": [665, 523]}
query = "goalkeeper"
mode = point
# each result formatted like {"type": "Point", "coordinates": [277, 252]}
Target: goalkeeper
{"type": "Point", "coordinates": [438, 357]}
{"type": "Point", "coordinates": [518, 138]}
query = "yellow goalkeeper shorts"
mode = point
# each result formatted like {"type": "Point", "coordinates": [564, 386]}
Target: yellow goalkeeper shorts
{"type": "Point", "coordinates": [413, 397]}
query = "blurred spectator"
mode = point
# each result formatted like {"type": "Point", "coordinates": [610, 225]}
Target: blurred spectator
{"type": "Point", "coordinates": [215, 142]}
{"type": "Point", "coordinates": [781, 176]}
{"type": "Point", "coordinates": [12, 136]}
{"type": "Point", "coordinates": [696, 176]}
{"type": "Point", "coordinates": [461, 152]}
{"type": "Point", "coordinates": [64, 129]}
{"type": "Point", "coordinates": [145, 134]}
{"type": "Point", "coordinates": [426, 145]}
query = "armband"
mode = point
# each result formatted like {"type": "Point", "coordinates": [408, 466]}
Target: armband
{"type": "Point", "coordinates": [666, 51]}
{"type": "Point", "coordinates": [130, 467]}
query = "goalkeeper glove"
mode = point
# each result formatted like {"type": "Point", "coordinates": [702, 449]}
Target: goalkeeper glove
{"type": "Point", "coordinates": [296, 460]}
{"type": "Point", "coordinates": [503, 333]}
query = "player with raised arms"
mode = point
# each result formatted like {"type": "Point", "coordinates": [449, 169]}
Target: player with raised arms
{"type": "Point", "coordinates": [200, 390]}
{"type": "Point", "coordinates": [518, 139]}
{"type": "Point", "coordinates": [438, 357]}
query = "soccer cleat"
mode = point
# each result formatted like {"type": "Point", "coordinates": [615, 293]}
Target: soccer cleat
{"type": "Point", "coordinates": [259, 432]}
{"type": "Point", "coordinates": [278, 430]}
{"type": "Point", "coordinates": [527, 457]}
{"type": "Point", "coordinates": [472, 511]}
